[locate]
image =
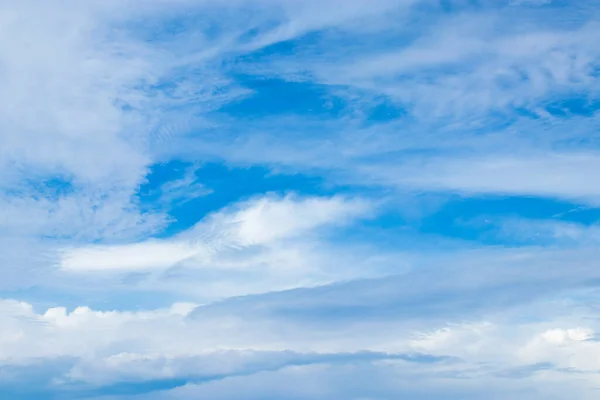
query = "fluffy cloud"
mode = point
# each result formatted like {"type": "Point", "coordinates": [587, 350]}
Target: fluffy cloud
{"type": "Point", "coordinates": [123, 352]}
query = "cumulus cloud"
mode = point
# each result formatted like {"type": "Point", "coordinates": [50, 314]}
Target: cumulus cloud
{"type": "Point", "coordinates": [213, 353]}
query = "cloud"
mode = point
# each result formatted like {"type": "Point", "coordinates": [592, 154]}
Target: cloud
{"type": "Point", "coordinates": [61, 82]}
{"type": "Point", "coordinates": [267, 220]}
{"type": "Point", "coordinates": [357, 381]}
{"type": "Point", "coordinates": [105, 352]}
{"type": "Point", "coordinates": [401, 102]}
{"type": "Point", "coordinates": [261, 221]}
{"type": "Point", "coordinates": [104, 348]}
{"type": "Point", "coordinates": [175, 192]}
{"type": "Point", "coordinates": [499, 98]}
{"type": "Point", "coordinates": [549, 232]}
{"type": "Point", "coordinates": [530, 2]}
{"type": "Point", "coordinates": [140, 256]}
{"type": "Point", "coordinates": [269, 243]}
{"type": "Point", "coordinates": [558, 175]}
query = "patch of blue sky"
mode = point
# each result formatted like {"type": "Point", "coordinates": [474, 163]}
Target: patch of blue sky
{"type": "Point", "coordinates": [453, 221]}
{"type": "Point", "coordinates": [310, 110]}
{"type": "Point", "coordinates": [476, 218]}
{"type": "Point", "coordinates": [584, 105]}
{"type": "Point", "coordinates": [138, 388]}
{"type": "Point", "coordinates": [121, 297]}
{"type": "Point", "coordinates": [158, 175]}
{"type": "Point", "coordinates": [226, 185]}
{"type": "Point", "coordinates": [462, 218]}
{"type": "Point", "coordinates": [384, 110]}
{"type": "Point", "coordinates": [276, 97]}
{"type": "Point", "coordinates": [285, 48]}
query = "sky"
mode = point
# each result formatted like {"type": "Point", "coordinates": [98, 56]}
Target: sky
{"type": "Point", "coordinates": [298, 200]}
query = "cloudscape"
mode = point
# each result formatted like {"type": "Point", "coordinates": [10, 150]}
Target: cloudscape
{"type": "Point", "coordinates": [297, 200]}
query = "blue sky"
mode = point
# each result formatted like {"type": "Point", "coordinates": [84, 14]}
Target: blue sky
{"type": "Point", "coordinates": [276, 199]}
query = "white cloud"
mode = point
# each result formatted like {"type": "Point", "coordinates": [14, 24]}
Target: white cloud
{"type": "Point", "coordinates": [548, 231]}
{"type": "Point", "coordinates": [267, 220]}
{"type": "Point", "coordinates": [262, 221]}
{"type": "Point", "coordinates": [561, 175]}
{"type": "Point", "coordinates": [66, 114]}
{"type": "Point", "coordinates": [174, 193]}
{"type": "Point", "coordinates": [110, 347]}
{"type": "Point", "coordinates": [61, 80]}
{"type": "Point", "coordinates": [264, 244]}
{"type": "Point", "coordinates": [462, 66]}
{"type": "Point", "coordinates": [140, 256]}
{"type": "Point", "coordinates": [93, 93]}
{"type": "Point", "coordinates": [482, 88]}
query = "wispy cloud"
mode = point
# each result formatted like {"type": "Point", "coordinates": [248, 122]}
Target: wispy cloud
{"type": "Point", "coordinates": [269, 243]}
{"type": "Point", "coordinates": [379, 130]}
{"type": "Point", "coordinates": [262, 221]}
